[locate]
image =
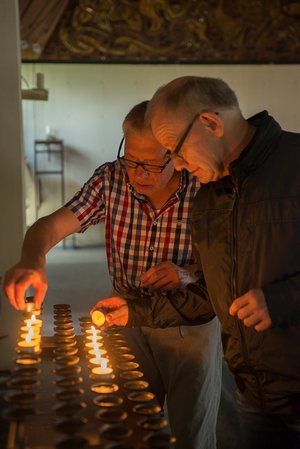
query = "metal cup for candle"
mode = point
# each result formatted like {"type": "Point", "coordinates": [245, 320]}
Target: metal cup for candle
{"type": "Point", "coordinates": [72, 442]}
{"type": "Point", "coordinates": [21, 398]}
{"type": "Point", "coordinates": [70, 425]}
{"type": "Point", "coordinates": [111, 415]}
{"type": "Point", "coordinates": [147, 409]}
{"type": "Point", "coordinates": [115, 432]}
{"type": "Point", "coordinates": [140, 396]}
{"type": "Point", "coordinates": [64, 326]}
{"type": "Point", "coordinates": [118, 342]}
{"type": "Point", "coordinates": [18, 414]}
{"type": "Point", "coordinates": [153, 423]}
{"type": "Point", "coordinates": [61, 306]}
{"type": "Point", "coordinates": [67, 370]}
{"type": "Point", "coordinates": [122, 350]}
{"type": "Point", "coordinates": [70, 381]}
{"type": "Point", "coordinates": [67, 360]}
{"type": "Point", "coordinates": [124, 357]}
{"type": "Point", "coordinates": [127, 366]}
{"type": "Point", "coordinates": [58, 330]}
{"type": "Point", "coordinates": [136, 385]}
{"type": "Point", "coordinates": [26, 371]}
{"type": "Point", "coordinates": [23, 383]}
{"type": "Point", "coordinates": [108, 400]}
{"type": "Point", "coordinates": [130, 375]}
{"type": "Point", "coordinates": [67, 394]}
{"type": "Point", "coordinates": [66, 343]}
{"type": "Point", "coordinates": [104, 387]}
{"type": "Point", "coordinates": [58, 321]}
{"type": "Point", "coordinates": [69, 408]}
{"type": "Point", "coordinates": [62, 351]}
{"type": "Point", "coordinates": [160, 440]}
{"type": "Point", "coordinates": [27, 360]}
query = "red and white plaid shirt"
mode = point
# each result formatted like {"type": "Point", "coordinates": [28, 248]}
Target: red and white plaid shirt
{"type": "Point", "coordinates": [137, 236]}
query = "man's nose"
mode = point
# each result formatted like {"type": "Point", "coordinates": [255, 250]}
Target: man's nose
{"type": "Point", "coordinates": [140, 171]}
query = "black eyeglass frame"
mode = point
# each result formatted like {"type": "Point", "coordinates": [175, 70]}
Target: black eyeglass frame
{"type": "Point", "coordinates": [158, 168]}
{"type": "Point", "coordinates": [178, 147]}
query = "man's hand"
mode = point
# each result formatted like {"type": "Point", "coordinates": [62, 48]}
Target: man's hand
{"type": "Point", "coordinates": [166, 276]}
{"type": "Point", "coordinates": [18, 279]}
{"type": "Point", "coordinates": [115, 310]}
{"type": "Point", "coordinates": [252, 309]}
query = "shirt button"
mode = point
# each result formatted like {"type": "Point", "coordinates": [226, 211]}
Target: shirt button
{"type": "Point", "coordinates": [151, 248]}
{"type": "Point", "coordinates": [154, 223]}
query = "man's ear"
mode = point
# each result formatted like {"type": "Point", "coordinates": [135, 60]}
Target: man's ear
{"type": "Point", "coordinates": [212, 122]}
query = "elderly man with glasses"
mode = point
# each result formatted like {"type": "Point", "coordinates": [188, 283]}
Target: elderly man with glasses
{"type": "Point", "coordinates": [146, 206]}
{"type": "Point", "coordinates": [245, 230]}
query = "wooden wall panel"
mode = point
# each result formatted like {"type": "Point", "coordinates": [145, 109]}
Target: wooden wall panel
{"type": "Point", "coordinates": [170, 31]}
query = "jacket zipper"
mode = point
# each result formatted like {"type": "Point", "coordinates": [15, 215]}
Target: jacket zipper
{"type": "Point", "coordinates": [239, 323]}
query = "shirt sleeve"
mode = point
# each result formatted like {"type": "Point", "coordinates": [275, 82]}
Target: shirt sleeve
{"type": "Point", "coordinates": [88, 204]}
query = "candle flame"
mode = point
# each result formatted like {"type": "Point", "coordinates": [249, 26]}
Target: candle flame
{"type": "Point", "coordinates": [33, 318]}
{"type": "Point", "coordinates": [103, 363]}
{"type": "Point", "coordinates": [28, 338]}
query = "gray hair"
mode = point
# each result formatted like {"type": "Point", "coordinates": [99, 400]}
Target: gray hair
{"type": "Point", "coordinates": [135, 119]}
{"type": "Point", "coordinates": [193, 94]}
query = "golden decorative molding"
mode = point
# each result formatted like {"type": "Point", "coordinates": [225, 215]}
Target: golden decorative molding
{"type": "Point", "coordinates": [170, 31]}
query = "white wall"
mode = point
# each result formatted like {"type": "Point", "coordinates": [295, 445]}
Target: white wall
{"type": "Point", "coordinates": [87, 104]}
{"type": "Point", "coordinates": [11, 163]}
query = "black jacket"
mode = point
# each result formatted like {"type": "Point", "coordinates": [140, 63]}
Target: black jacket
{"type": "Point", "coordinates": [246, 234]}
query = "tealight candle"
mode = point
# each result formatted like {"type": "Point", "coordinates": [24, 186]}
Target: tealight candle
{"type": "Point", "coordinates": [33, 323]}
{"type": "Point", "coordinates": [98, 360]}
{"type": "Point", "coordinates": [91, 345]}
{"type": "Point", "coordinates": [94, 338]}
{"type": "Point", "coordinates": [94, 351]}
{"type": "Point", "coordinates": [93, 331]}
{"type": "Point", "coordinates": [34, 337]}
{"type": "Point", "coordinates": [102, 369]}
{"type": "Point", "coordinates": [35, 329]}
{"type": "Point", "coordinates": [28, 345]}
{"type": "Point", "coordinates": [98, 318]}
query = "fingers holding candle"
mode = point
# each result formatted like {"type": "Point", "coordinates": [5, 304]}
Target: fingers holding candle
{"type": "Point", "coordinates": [118, 317]}
{"type": "Point", "coordinates": [18, 279]}
{"type": "Point", "coordinates": [114, 309]}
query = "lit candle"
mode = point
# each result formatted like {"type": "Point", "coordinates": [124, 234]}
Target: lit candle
{"type": "Point", "coordinates": [93, 331]}
{"type": "Point", "coordinates": [98, 360]}
{"type": "Point", "coordinates": [28, 345]}
{"type": "Point", "coordinates": [34, 336]}
{"type": "Point", "coordinates": [36, 322]}
{"type": "Point", "coordinates": [35, 329]}
{"type": "Point", "coordinates": [91, 345]}
{"type": "Point", "coordinates": [94, 338]}
{"type": "Point", "coordinates": [96, 350]}
{"type": "Point", "coordinates": [102, 369]}
{"type": "Point", "coordinates": [98, 318]}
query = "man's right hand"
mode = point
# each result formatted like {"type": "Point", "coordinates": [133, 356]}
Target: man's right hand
{"type": "Point", "coordinates": [18, 279]}
{"type": "Point", "coordinates": [115, 309]}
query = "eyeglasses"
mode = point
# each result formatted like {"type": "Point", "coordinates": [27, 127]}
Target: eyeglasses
{"type": "Point", "coordinates": [178, 147]}
{"type": "Point", "coordinates": [127, 163]}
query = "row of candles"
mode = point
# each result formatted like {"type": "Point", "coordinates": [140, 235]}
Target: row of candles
{"type": "Point", "coordinates": [30, 335]}
{"type": "Point", "coordinates": [99, 359]}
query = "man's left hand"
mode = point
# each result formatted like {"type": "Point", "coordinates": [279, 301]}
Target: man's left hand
{"type": "Point", "coordinates": [166, 276]}
{"type": "Point", "coordinates": [252, 309]}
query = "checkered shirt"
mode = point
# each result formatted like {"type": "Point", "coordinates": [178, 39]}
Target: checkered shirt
{"type": "Point", "coordinates": [137, 236]}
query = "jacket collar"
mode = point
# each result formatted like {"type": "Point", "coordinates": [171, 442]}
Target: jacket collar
{"type": "Point", "coordinates": [261, 146]}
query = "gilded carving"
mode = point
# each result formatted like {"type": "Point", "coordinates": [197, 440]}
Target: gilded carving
{"type": "Point", "coordinates": [195, 31]}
